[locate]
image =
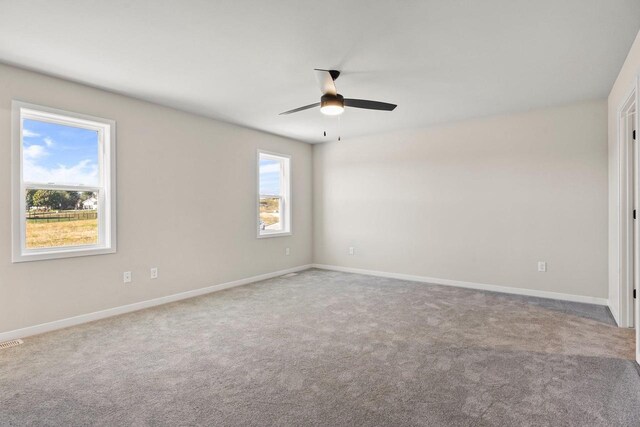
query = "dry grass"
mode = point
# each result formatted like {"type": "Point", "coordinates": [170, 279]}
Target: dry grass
{"type": "Point", "coordinates": [269, 218]}
{"type": "Point", "coordinates": [66, 233]}
{"type": "Point", "coordinates": [269, 211]}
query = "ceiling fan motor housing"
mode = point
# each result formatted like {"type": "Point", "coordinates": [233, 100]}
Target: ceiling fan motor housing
{"type": "Point", "coordinates": [329, 100]}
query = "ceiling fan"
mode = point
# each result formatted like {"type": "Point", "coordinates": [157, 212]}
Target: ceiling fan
{"type": "Point", "coordinates": [332, 103]}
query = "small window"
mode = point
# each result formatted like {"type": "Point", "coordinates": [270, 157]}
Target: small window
{"type": "Point", "coordinates": [274, 201]}
{"type": "Point", "coordinates": [63, 184]}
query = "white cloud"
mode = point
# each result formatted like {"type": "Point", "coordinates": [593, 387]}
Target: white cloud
{"type": "Point", "coordinates": [34, 152]}
{"type": "Point", "coordinates": [84, 172]}
{"type": "Point", "coordinates": [26, 133]}
{"type": "Point", "coordinates": [48, 141]}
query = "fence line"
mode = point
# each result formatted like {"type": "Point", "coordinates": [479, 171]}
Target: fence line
{"type": "Point", "coordinates": [57, 216]}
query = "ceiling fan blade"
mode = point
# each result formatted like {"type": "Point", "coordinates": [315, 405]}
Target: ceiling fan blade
{"type": "Point", "coordinates": [369, 105]}
{"type": "Point", "coordinates": [325, 80]}
{"type": "Point", "coordinates": [306, 107]}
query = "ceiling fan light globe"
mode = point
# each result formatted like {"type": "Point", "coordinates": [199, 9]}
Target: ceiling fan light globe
{"type": "Point", "coordinates": [332, 110]}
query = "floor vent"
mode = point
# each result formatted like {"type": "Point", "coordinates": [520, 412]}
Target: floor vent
{"type": "Point", "coordinates": [289, 275]}
{"type": "Point", "coordinates": [11, 343]}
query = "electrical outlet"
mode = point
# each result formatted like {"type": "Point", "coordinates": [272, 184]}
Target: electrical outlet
{"type": "Point", "coordinates": [126, 277]}
{"type": "Point", "coordinates": [287, 251]}
{"type": "Point", "coordinates": [352, 250]}
{"type": "Point", "coordinates": [154, 272]}
{"type": "Point", "coordinates": [542, 266]}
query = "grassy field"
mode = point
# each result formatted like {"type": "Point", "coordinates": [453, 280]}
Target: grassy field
{"type": "Point", "coordinates": [66, 233]}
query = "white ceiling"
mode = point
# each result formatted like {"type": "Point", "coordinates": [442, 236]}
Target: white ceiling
{"type": "Point", "coordinates": [246, 61]}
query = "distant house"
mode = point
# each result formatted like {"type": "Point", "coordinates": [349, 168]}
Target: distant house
{"type": "Point", "coordinates": [90, 203]}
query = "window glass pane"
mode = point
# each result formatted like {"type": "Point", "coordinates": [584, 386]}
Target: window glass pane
{"type": "Point", "coordinates": [270, 173]}
{"type": "Point", "coordinates": [270, 208]}
{"type": "Point", "coordinates": [59, 154]}
{"type": "Point", "coordinates": [61, 218]}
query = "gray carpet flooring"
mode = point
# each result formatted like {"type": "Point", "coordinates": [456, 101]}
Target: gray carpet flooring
{"type": "Point", "coordinates": [329, 348]}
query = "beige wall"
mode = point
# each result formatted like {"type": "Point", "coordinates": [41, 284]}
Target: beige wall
{"type": "Point", "coordinates": [479, 201]}
{"type": "Point", "coordinates": [201, 172]}
{"type": "Point", "coordinates": [623, 85]}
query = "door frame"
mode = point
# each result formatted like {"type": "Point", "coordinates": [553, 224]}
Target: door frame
{"type": "Point", "coordinates": [626, 196]}
{"type": "Point", "coordinates": [636, 301]}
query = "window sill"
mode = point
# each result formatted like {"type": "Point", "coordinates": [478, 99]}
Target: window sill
{"type": "Point", "coordinates": [276, 234]}
{"type": "Point", "coordinates": [61, 253]}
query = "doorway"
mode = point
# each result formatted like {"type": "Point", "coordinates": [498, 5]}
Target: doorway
{"type": "Point", "coordinates": [629, 314]}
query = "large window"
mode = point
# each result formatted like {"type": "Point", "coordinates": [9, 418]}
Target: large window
{"type": "Point", "coordinates": [274, 201]}
{"type": "Point", "coordinates": [63, 184]}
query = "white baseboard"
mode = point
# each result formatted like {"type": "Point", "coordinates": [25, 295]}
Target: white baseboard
{"type": "Point", "coordinates": [90, 317]}
{"type": "Point", "coordinates": [616, 315]}
{"type": "Point", "coordinates": [469, 285]}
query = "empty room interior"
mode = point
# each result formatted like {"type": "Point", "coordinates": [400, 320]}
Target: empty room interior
{"type": "Point", "coordinates": [337, 213]}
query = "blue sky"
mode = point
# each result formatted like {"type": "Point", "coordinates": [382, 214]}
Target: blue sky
{"type": "Point", "coordinates": [269, 177]}
{"type": "Point", "coordinates": [59, 154]}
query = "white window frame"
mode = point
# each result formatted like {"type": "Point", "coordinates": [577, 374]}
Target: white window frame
{"type": "Point", "coordinates": [106, 188]}
{"type": "Point", "coordinates": [285, 195]}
